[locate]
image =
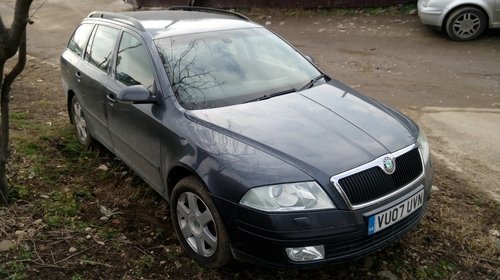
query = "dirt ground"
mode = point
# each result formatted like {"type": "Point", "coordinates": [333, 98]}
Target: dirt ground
{"type": "Point", "coordinates": [57, 224]}
{"type": "Point", "coordinates": [397, 60]}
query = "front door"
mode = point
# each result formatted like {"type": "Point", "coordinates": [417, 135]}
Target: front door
{"type": "Point", "coordinates": [136, 128]}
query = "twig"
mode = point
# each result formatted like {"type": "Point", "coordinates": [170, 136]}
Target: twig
{"type": "Point", "coordinates": [95, 263]}
{"type": "Point", "coordinates": [492, 262]}
{"type": "Point", "coordinates": [138, 247]}
{"type": "Point", "coordinates": [53, 259]}
{"type": "Point", "coordinates": [34, 249]}
{"type": "Point", "coordinates": [75, 254]}
{"type": "Point", "coordinates": [33, 14]}
{"type": "Point", "coordinates": [6, 234]}
{"type": "Point", "coordinates": [7, 4]}
{"type": "Point", "coordinates": [455, 276]}
{"type": "Point", "coordinates": [61, 240]}
{"type": "Point", "coordinates": [43, 264]}
{"type": "Point", "coordinates": [34, 262]}
{"type": "Point", "coordinates": [415, 249]}
{"type": "Point", "coordinates": [141, 249]}
{"type": "Point", "coordinates": [157, 247]}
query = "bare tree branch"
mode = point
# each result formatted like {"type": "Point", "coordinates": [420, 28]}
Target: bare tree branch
{"type": "Point", "coordinates": [18, 26]}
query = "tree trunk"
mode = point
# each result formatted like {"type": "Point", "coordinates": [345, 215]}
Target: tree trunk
{"type": "Point", "coordinates": [12, 40]}
{"type": "Point", "coordinates": [3, 182]}
{"type": "Point", "coordinates": [4, 111]}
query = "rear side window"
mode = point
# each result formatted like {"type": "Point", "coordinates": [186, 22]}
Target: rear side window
{"type": "Point", "coordinates": [80, 37]}
{"type": "Point", "coordinates": [133, 64]}
{"type": "Point", "coordinates": [101, 50]}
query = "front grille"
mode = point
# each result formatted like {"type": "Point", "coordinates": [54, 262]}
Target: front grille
{"type": "Point", "coordinates": [374, 183]}
{"type": "Point", "coordinates": [344, 248]}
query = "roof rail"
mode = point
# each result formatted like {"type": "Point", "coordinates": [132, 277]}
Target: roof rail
{"type": "Point", "coordinates": [116, 16]}
{"type": "Point", "coordinates": [206, 9]}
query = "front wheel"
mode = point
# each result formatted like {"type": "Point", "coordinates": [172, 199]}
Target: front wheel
{"type": "Point", "coordinates": [198, 224]}
{"type": "Point", "coordinates": [465, 24]}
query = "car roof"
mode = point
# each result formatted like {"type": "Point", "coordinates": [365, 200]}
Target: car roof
{"type": "Point", "coordinates": [167, 23]}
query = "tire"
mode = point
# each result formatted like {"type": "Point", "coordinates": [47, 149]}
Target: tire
{"type": "Point", "coordinates": [466, 24]}
{"type": "Point", "coordinates": [81, 130]}
{"type": "Point", "coordinates": [198, 224]}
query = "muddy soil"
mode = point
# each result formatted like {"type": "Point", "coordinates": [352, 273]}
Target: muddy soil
{"type": "Point", "coordinates": [397, 60]}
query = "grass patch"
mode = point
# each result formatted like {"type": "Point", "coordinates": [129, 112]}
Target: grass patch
{"type": "Point", "coordinates": [13, 270]}
{"type": "Point", "coordinates": [143, 264]}
{"type": "Point", "coordinates": [109, 233]}
{"type": "Point", "coordinates": [19, 192]}
{"type": "Point", "coordinates": [77, 277]}
{"type": "Point", "coordinates": [59, 209]}
{"type": "Point", "coordinates": [441, 270]}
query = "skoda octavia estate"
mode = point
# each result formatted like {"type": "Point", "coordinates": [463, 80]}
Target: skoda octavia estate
{"type": "Point", "coordinates": [261, 155]}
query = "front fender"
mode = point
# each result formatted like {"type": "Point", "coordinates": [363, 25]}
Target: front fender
{"type": "Point", "coordinates": [229, 167]}
{"type": "Point", "coordinates": [486, 5]}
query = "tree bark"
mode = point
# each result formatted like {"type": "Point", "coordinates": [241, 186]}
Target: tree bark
{"type": "Point", "coordinates": [9, 46]}
{"type": "Point", "coordinates": [4, 109]}
{"type": "Point", "coordinates": [4, 190]}
{"type": "Point", "coordinates": [12, 40]}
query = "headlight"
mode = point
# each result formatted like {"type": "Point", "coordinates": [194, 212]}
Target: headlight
{"type": "Point", "coordinates": [423, 146]}
{"type": "Point", "coordinates": [288, 197]}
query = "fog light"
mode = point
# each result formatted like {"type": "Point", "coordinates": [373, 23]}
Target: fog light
{"type": "Point", "coordinates": [303, 254]}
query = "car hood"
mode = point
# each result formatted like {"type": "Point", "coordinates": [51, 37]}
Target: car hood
{"type": "Point", "coordinates": [329, 128]}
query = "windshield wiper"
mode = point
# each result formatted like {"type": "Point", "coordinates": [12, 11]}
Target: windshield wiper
{"type": "Point", "coordinates": [312, 82]}
{"type": "Point", "coordinates": [267, 96]}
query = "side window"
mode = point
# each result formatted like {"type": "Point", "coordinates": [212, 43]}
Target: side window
{"type": "Point", "coordinates": [80, 37]}
{"type": "Point", "coordinates": [133, 64]}
{"type": "Point", "coordinates": [101, 50]}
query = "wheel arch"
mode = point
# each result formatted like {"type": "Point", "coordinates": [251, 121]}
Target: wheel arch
{"type": "Point", "coordinates": [465, 5]}
{"type": "Point", "coordinates": [70, 96]}
{"type": "Point", "coordinates": [177, 173]}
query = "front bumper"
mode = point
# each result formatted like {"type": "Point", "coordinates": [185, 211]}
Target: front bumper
{"type": "Point", "coordinates": [262, 238]}
{"type": "Point", "coordinates": [432, 16]}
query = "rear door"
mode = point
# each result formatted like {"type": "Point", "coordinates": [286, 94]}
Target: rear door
{"type": "Point", "coordinates": [71, 59]}
{"type": "Point", "coordinates": [94, 79]}
{"type": "Point", "coordinates": [136, 128]}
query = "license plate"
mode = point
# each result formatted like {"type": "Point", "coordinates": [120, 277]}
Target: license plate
{"type": "Point", "coordinates": [395, 214]}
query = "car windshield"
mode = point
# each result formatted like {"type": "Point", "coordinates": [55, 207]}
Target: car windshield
{"type": "Point", "coordinates": [223, 68]}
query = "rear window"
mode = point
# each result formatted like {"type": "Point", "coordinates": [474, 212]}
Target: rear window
{"type": "Point", "coordinates": [101, 50]}
{"type": "Point", "coordinates": [80, 38]}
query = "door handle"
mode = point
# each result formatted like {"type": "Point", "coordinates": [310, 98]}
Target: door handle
{"type": "Point", "coordinates": [78, 76]}
{"type": "Point", "coordinates": [111, 97]}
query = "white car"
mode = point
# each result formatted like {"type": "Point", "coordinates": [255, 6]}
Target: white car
{"type": "Point", "coordinates": [462, 20]}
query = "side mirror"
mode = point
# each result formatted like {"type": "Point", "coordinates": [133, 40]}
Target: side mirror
{"type": "Point", "coordinates": [311, 59]}
{"type": "Point", "coordinates": [137, 94]}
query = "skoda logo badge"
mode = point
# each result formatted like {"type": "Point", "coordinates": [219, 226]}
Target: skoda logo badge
{"type": "Point", "coordinates": [389, 165]}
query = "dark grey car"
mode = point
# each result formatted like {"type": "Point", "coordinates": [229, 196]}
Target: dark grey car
{"type": "Point", "coordinates": [262, 156]}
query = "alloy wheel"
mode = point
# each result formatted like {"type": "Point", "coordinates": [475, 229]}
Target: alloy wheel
{"type": "Point", "coordinates": [80, 123]}
{"type": "Point", "coordinates": [197, 224]}
{"type": "Point", "coordinates": [466, 25]}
